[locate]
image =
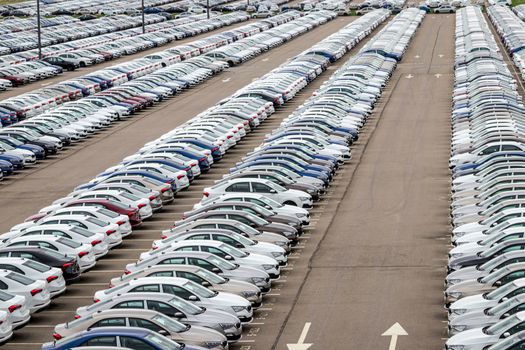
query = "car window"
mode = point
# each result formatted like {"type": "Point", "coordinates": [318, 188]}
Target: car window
{"type": "Point", "coordinates": [225, 239]}
{"type": "Point", "coordinates": [155, 288]}
{"type": "Point", "coordinates": [142, 323]}
{"type": "Point", "coordinates": [206, 226]}
{"type": "Point", "coordinates": [132, 304]}
{"type": "Point", "coordinates": [173, 261]}
{"type": "Point", "coordinates": [110, 322]}
{"type": "Point", "coordinates": [161, 274]}
{"type": "Point", "coordinates": [201, 262]}
{"type": "Point", "coordinates": [260, 188]}
{"type": "Point", "coordinates": [203, 236]}
{"type": "Point", "coordinates": [135, 344]}
{"type": "Point", "coordinates": [43, 245]}
{"type": "Point", "coordinates": [161, 307]}
{"type": "Point", "coordinates": [6, 254]}
{"type": "Point", "coordinates": [239, 187]}
{"type": "Point", "coordinates": [191, 276]}
{"type": "Point", "coordinates": [101, 341]}
{"type": "Point", "coordinates": [11, 268]}
{"type": "Point", "coordinates": [176, 290]}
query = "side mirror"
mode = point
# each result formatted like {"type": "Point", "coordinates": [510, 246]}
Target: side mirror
{"type": "Point", "coordinates": [273, 191]}
{"type": "Point", "coordinates": [506, 334]}
{"type": "Point", "coordinates": [206, 284]}
{"type": "Point", "coordinates": [497, 283]}
{"type": "Point", "coordinates": [178, 314]}
{"type": "Point", "coordinates": [216, 270]}
{"type": "Point", "coordinates": [163, 332]}
{"type": "Point", "coordinates": [238, 245]}
{"type": "Point", "coordinates": [504, 299]}
{"type": "Point", "coordinates": [228, 257]}
{"type": "Point", "coordinates": [505, 315]}
{"type": "Point", "coordinates": [193, 298]}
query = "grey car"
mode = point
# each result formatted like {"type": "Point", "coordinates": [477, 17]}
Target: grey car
{"type": "Point", "coordinates": [210, 262]}
{"type": "Point", "coordinates": [201, 276]}
{"type": "Point", "coordinates": [173, 306]}
{"type": "Point", "coordinates": [152, 320]}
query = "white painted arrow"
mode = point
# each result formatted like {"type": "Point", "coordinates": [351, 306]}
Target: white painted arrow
{"type": "Point", "coordinates": [226, 80]}
{"type": "Point", "coordinates": [417, 56]}
{"type": "Point", "coordinates": [300, 345]}
{"type": "Point", "coordinates": [440, 56]}
{"type": "Point", "coordinates": [437, 75]}
{"type": "Point", "coordinates": [410, 76]}
{"type": "Point", "coordinates": [395, 331]}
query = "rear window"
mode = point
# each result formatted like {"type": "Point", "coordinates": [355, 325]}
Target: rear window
{"type": "Point", "coordinates": [109, 213]}
{"type": "Point", "coordinates": [81, 231]}
{"type": "Point", "coordinates": [68, 242]}
{"type": "Point", "coordinates": [5, 296]}
{"type": "Point", "coordinates": [36, 266]}
{"type": "Point", "coordinates": [20, 278]}
{"type": "Point", "coordinates": [96, 221]}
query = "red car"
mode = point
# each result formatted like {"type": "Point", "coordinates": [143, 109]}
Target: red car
{"type": "Point", "coordinates": [132, 213]}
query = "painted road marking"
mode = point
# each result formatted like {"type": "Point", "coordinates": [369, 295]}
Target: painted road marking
{"type": "Point", "coordinates": [301, 345]}
{"type": "Point", "coordinates": [395, 331]}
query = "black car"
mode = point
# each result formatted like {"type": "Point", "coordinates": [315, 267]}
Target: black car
{"type": "Point", "coordinates": [68, 264]}
{"type": "Point", "coordinates": [61, 62]}
{"type": "Point", "coordinates": [49, 148]}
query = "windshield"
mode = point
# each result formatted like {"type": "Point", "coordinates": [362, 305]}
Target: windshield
{"type": "Point", "coordinates": [107, 213]}
{"type": "Point", "coordinates": [502, 326]}
{"type": "Point", "coordinates": [501, 291]}
{"type": "Point", "coordinates": [210, 276]}
{"type": "Point", "coordinates": [233, 251]}
{"type": "Point", "coordinates": [199, 290]}
{"type": "Point", "coordinates": [221, 263]}
{"type": "Point", "coordinates": [186, 307]}
{"type": "Point", "coordinates": [501, 308]}
{"type": "Point", "coordinates": [20, 278]}
{"type": "Point", "coordinates": [81, 231]}
{"type": "Point", "coordinates": [162, 342]}
{"type": "Point", "coordinates": [276, 187]}
{"type": "Point", "coordinates": [246, 229]}
{"type": "Point", "coordinates": [170, 323]}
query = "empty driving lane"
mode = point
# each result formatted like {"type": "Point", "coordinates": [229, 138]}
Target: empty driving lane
{"type": "Point", "coordinates": [35, 188]}
{"type": "Point", "coordinates": [382, 258]}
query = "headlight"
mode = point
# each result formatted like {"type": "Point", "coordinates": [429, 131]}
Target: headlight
{"type": "Point", "coordinates": [456, 255]}
{"type": "Point", "coordinates": [454, 281]}
{"type": "Point", "coordinates": [459, 234]}
{"type": "Point", "coordinates": [459, 328]}
{"type": "Point", "coordinates": [281, 243]}
{"type": "Point", "coordinates": [276, 254]}
{"type": "Point", "coordinates": [304, 198]}
{"type": "Point", "coordinates": [258, 279]}
{"type": "Point", "coordinates": [455, 294]}
{"type": "Point", "coordinates": [268, 267]}
{"type": "Point", "coordinates": [211, 344]}
{"type": "Point", "coordinates": [238, 308]}
{"type": "Point", "coordinates": [459, 311]}
{"type": "Point", "coordinates": [248, 294]}
{"type": "Point", "coordinates": [227, 325]}
{"type": "Point", "coordinates": [456, 347]}
{"type": "Point", "coordinates": [301, 215]}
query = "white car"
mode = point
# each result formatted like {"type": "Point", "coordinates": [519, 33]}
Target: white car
{"type": "Point", "coordinates": [6, 326]}
{"type": "Point", "coordinates": [223, 250]}
{"type": "Point", "coordinates": [35, 291]}
{"type": "Point", "coordinates": [187, 290]}
{"type": "Point", "coordinates": [84, 252]}
{"type": "Point", "coordinates": [33, 269]}
{"type": "Point", "coordinates": [266, 187]}
{"type": "Point", "coordinates": [17, 306]}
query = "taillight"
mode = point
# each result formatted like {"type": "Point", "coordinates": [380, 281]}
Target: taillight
{"type": "Point", "coordinates": [206, 194]}
{"type": "Point", "coordinates": [154, 248]}
{"type": "Point", "coordinates": [180, 176]}
{"type": "Point", "coordinates": [66, 265]}
{"type": "Point", "coordinates": [131, 214]}
{"type": "Point", "coordinates": [229, 136]}
{"type": "Point", "coordinates": [96, 300]}
{"type": "Point", "coordinates": [76, 317]}
{"type": "Point", "coordinates": [141, 205]}
{"type": "Point", "coordinates": [36, 291]}
{"type": "Point", "coordinates": [164, 189]}
{"type": "Point", "coordinates": [111, 285]}
{"type": "Point", "coordinates": [95, 242]}
{"type": "Point", "coordinates": [163, 236]}
{"type": "Point", "coordinates": [153, 197]}
{"type": "Point", "coordinates": [121, 222]}
{"type": "Point", "coordinates": [81, 254]}
{"type": "Point", "coordinates": [127, 272]}
{"type": "Point", "coordinates": [58, 336]}
{"type": "Point", "coordinates": [13, 308]}
{"type": "Point", "coordinates": [215, 149]}
{"type": "Point", "coordinates": [51, 278]}
{"type": "Point", "coordinates": [109, 232]}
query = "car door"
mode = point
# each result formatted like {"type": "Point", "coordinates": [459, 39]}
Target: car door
{"type": "Point", "coordinates": [135, 343]}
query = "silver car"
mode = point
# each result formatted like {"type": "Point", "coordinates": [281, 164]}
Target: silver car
{"type": "Point", "coordinates": [172, 306]}
{"type": "Point", "coordinates": [211, 263]}
{"type": "Point", "coordinates": [153, 320]}
{"type": "Point", "coordinates": [187, 290]}
{"type": "Point", "coordinates": [198, 275]}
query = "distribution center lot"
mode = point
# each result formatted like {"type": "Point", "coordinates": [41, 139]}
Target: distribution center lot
{"type": "Point", "coordinates": [375, 252]}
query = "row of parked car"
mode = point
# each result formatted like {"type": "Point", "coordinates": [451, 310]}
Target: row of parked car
{"type": "Point", "coordinates": [511, 28]}
{"type": "Point", "coordinates": [81, 53]}
{"type": "Point", "coordinates": [120, 91]}
{"type": "Point", "coordinates": [14, 24]}
{"type": "Point", "coordinates": [205, 287]}
{"type": "Point", "coordinates": [485, 282]}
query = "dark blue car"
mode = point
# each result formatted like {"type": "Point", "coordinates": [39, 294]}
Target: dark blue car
{"type": "Point", "coordinates": [126, 337]}
{"type": "Point", "coordinates": [136, 172]}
